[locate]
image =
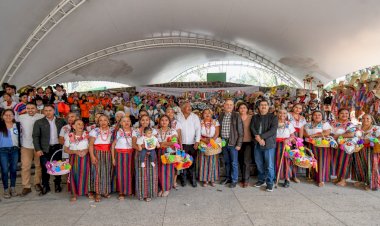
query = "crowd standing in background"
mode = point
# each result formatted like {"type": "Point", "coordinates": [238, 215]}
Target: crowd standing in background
{"type": "Point", "coordinates": [114, 141]}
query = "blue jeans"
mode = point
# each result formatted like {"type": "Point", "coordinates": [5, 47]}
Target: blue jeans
{"type": "Point", "coordinates": [230, 155]}
{"type": "Point", "coordinates": [265, 164]}
{"type": "Point", "coordinates": [8, 161]}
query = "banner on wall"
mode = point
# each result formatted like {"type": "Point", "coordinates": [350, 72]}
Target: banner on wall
{"type": "Point", "coordinates": [180, 91]}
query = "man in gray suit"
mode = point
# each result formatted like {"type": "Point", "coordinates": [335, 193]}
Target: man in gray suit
{"type": "Point", "coordinates": [46, 142]}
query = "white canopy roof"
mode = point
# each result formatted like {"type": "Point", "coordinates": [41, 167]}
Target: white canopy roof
{"type": "Point", "coordinates": [327, 39]}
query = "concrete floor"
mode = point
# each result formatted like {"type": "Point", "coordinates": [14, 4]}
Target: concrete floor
{"type": "Point", "coordinates": [301, 204]}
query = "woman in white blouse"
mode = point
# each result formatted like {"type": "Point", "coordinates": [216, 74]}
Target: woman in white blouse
{"type": "Point", "coordinates": [101, 158]}
{"type": "Point", "coordinates": [76, 145]}
{"type": "Point", "coordinates": [317, 129]}
{"type": "Point", "coordinates": [285, 134]}
{"type": "Point", "coordinates": [208, 165]}
{"type": "Point", "coordinates": [122, 157]}
{"type": "Point", "coordinates": [366, 162]}
{"type": "Point", "coordinates": [298, 122]}
{"type": "Point", "coordinates": [166, 172]}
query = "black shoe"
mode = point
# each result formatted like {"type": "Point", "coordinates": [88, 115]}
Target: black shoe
{"type": "Point", "coordinates": [183, 182]}
{"type": "Point", "coordinates": [226, 181]}
{"type": "Point", "coordinates": [286, 184]}
{"type": "Point", "coordinates": [38, 187]}
{"type": "Point", "coordinates": [194, 184]}
{"type": "Point", "coordinates": [269, 187]}
{"type": "Point", "coordinates": [259, 184]}
{"type": "Point", "coordinates": [233, 185]}
{"type": "Point", "coordinates": [44, 191]}
{"type": "Point", "coordinates": [58, 188]}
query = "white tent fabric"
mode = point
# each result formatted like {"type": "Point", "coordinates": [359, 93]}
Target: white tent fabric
{"type": "Point", "coordinates": [327, 39]}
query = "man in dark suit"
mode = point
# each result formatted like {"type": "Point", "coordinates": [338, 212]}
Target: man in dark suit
{"type": "Point", "coordinates": [46, 142]}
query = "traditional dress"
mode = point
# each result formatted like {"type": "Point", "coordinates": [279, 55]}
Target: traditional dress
{"type": "Point", "coordinates": [366, 163]}
{"type": "Point", "coordinates": [146, 178]}
{"type": "Point", "coordinates": [322, 154]}
{"type": "Point", "coordinates": [101, 173]}
{"type": "Point", "coordinates": [165, 171]}
{"type": "Point", "coordinates": [124, 162]}
{"type": "Point", "coordinates": [341, 160]}
{"type": "Point", "coordinates": [80, 166]}
{"type": "Point", "coordinates": [284, 132]}
{"type": "Point", "coordinates": [208, 166]}
{"type": "Point", "coordinates": [298, 125]}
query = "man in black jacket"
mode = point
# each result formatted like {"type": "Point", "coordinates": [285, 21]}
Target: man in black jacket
{"type": "Point", "coordinates": [231, 130]}
{"type": "Point", "coordinates": [46, 142]}
{"type": "Point", "coordinates": [264, 130]}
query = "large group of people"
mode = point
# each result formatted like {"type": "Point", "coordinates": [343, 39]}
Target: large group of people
{"type": "Point", "coordinates": [114, 142]}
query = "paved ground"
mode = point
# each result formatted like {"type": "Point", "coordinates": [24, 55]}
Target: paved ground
{"type": "Point", "coordinates": [301, 204]}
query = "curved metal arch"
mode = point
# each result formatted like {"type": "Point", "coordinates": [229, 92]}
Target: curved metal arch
{"type": "Point", "coordinates": [220, 63]}
{"type": "Point", "coordinates": [62, 10]}
{"type": "Point", "coordinates": [167, 42]}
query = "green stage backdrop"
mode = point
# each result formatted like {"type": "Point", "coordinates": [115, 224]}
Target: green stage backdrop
{"type": "Point", "coordinates": [217, 77]}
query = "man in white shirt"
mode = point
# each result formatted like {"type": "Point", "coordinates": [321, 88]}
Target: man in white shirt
{"type": "Point", "coordinates": [27, 150]}
{"type": "Point", "coordinates": [117, 100]}
{"type": "Point", "coordinates": [191, 135]}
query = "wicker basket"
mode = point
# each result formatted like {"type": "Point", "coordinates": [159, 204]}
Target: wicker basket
{"type": "Point", "coordinates": [321, 145]}
{"type": "Point", "coordinates": [306, 164]}
{"type": "Point", "coordinates": [57, 168]}
{"type": "Point", "coordinates": [209, 150]}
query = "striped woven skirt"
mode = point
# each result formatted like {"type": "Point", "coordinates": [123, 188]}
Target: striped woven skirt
{"type": "Point", "coordinates": [208, 167]}
{"type": "Point", "coordinates": [343, 164]}
{"type": "Point", "coordinates": [124, 173]}
{"type": "Point", "coordinates": [146, 178]}
{"type": "Point", "coordinates": [285, 170]}
{"type": "Point", "coordinates": [166, 173]}
{"type": "Point", "coordinates": [80, 168]}
{"type": "Point", "coordinates": [101, 173]}
{"type": "Point", "coordinates": [334, 164]}
{"type": "Point", "coordinates": [373, 178]}
{"type": "Point", "coordinates": [360, 165]}
{"type": "Point", "coordinates": [323, 157]}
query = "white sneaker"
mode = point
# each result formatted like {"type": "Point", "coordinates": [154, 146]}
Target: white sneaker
{"type": "Point", "coordinates": [143, 165]}
{"type": "Point", "coordinates": [152, 163]}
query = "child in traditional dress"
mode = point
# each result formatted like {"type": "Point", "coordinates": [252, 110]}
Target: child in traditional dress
{"type": "Point", "coordinates": [150, 143]}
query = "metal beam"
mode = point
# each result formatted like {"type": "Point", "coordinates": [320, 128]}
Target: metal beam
{"type": "Point", "coordinates": [187, 40]}
{"type": "Point", "coordinates": [62, 10]}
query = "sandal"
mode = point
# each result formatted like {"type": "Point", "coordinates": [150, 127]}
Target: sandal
{"type": "Point", "coordinates": [121, 197]}
{"type": "Point", "coordinates": [205, 184]}
{"type": "Point", "coordinates": [321, 184]}
{"type": "Point", "coordinates": [342, 183]}
{"type": "Point", "coordinates": [166, 193]}
{"type": "Point", "coordinates": [73, 198]}
{"type": "Point", "coordinates": [148, 199]}
{"type": "Point", "coordinates": [212, 184]}
{"type": "Point", "coordinates": [98, 198]}
{"type": "Point", "coordinates": [159, 194]}
{"type": "Point", "coordinates": [90, 196]}
{"type": "Point", "coordinates": [107, 196]}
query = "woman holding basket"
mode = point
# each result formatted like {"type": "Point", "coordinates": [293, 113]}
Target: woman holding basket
{"type": "Point", "coordinates": [285, 134]}
{"type": "Point", "coordinates": [76, 145]}
{"type": "Point", "coordinates": [298, 122]}
{"type": "Point", "coordinates": [122, 157]}
{"type": "Point", "coordinates": [208, 165]}
{"type": "Point", "coordinates": [167, 137]}
{"type": "Point", "coordinates": [342, 127]}
{"type": "Point", "coordinates": [366, 161]}
{"type": "Point", "coordinates": [318, 129]}
{"type": "Point", "coordinates": [101, 158]}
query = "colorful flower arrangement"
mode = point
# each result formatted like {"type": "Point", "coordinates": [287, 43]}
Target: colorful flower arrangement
{"type": "Point", "coordinates": [179, 158]}
{"type": "Point", "coordinates": [58, 167]}
{"type": "Point", "coordinates": [299, 156]}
